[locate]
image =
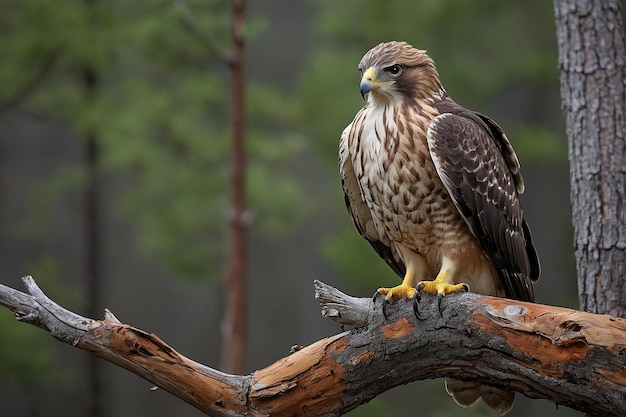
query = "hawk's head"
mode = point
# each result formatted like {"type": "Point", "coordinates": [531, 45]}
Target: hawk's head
{"type": "Point", "coordinates": [397, 70]}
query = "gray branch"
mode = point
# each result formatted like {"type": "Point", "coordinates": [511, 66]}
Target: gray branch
{"type": "Point", "coordinates": [37, 309]}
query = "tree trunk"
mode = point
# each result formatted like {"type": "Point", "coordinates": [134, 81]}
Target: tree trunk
{"type": "Point", "coordinates": [92, 227]}
{"type": "Point", "coordinates": [234, 328]}
{"type": "Point", "coordinates": [592, 64]}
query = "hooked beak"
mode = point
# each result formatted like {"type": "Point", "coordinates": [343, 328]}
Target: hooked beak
{"type": "Point", "coordinates": [368, 82]}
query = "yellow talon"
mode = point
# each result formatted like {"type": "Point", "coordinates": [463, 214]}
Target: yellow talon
{"type": "Point", "coordinates": [399, 291]}
{"type": "Point", "coordinates": [441, 286]}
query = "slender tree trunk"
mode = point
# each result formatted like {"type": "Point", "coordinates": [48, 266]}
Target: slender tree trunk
{"type": "Point", "coordinates": [92, 261]}
{"type": "Point", "coordinates": [234, 326]}
{"type": "Point", "coordinates": [592, 63]}
{"type": "Point", "coordinates": [91, 82]}
{"type": "Point", "coordinates": [92, 249]}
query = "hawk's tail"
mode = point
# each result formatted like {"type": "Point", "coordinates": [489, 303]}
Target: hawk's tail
{"type": "Point", "coordinates": [466, 394]}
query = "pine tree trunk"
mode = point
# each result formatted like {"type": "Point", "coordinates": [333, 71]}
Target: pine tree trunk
{"type": "Point", "coordinates": [592, 64]}
{"type": "Point", "coordinates": [92, 227]}
{"type": "Point", "coordinates": [234, 324]}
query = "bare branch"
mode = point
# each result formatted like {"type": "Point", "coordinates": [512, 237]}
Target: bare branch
{"type": "Point", "coordinates": [567, 356]}
{"type": "Point", "coordinates": [342, 308]}
{"type": "Point", "coordinates": [142, 353]}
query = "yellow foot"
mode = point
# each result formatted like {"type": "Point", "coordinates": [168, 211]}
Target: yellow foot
{"type": "Point", "coordinates": [441, 287]}
{"type": "Point", "coordinates": [400, 291]}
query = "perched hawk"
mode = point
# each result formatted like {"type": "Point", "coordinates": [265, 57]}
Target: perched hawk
{"type": "Point", "coordinates": [434, 188]}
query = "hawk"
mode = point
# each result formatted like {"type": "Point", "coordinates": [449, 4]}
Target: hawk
{"type": "Point", "coordinates": [434, 188]}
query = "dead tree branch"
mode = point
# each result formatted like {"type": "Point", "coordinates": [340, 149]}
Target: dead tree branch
{"type": "Point", "coordinates": [567, 356]}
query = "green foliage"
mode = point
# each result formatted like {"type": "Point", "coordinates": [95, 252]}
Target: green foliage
{"type": "Point", "coordinates": [160, 110]}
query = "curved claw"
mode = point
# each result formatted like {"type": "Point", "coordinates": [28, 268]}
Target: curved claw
{"type": "Point", "coordinates": [416, 299]}
{"type": "Point", "coordinates": [398, 292]}
{"type": "Point", "coordinates": [384, 305]}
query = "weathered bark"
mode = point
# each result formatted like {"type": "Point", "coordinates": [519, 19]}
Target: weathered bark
{"type": "Point", "coordinates": [592, 63]}
{"type": "Point", "coordinates": [570, 357]}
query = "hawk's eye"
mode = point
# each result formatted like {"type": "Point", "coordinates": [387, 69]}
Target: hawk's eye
{"type": "Point", "coordinates": [394, 70]}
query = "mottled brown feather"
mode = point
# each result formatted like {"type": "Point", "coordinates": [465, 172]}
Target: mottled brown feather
{"type": "Point", "coordinates": [484, 190]}
{"type": "Point", "coordinates": [360, 212]}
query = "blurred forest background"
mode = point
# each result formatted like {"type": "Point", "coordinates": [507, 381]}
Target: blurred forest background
{"type": "Point", "coordinates": [114, 141]}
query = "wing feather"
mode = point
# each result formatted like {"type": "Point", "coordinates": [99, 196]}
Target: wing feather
{"type": "Point", "coordinates": [479, 169]}
{"type": "Point", "coordinates": [360, 212]}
